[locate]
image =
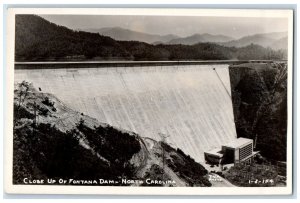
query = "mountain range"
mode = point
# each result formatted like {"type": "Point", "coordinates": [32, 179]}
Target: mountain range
{"type": "Point", "coordinates": [274, 40]}
{"type": "Point", "coordinates": [122, 34]}
{"type": "Point", "coordinates": [37, 39]}
{"type": "Point", "coordinates": [196, 38]}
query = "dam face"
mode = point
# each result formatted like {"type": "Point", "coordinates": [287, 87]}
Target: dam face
{"type": "Point", "coordinates": [190, 105]}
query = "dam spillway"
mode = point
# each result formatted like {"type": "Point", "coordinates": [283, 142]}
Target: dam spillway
{"type": "Point", "coordinates": [189, 104]}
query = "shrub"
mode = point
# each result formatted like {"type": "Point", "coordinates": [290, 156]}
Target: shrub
{"type": "Point", "coordinates": [47, 102]}
{"type": "Point", "coordinates": [245, 175]}
{"type": "Point", "coordinates": [43, 111]}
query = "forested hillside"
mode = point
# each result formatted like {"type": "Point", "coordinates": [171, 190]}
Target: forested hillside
{"type": "Point", "coordinates": [259, 95]}
{"type": "Point", "coordinates": [37, 39]}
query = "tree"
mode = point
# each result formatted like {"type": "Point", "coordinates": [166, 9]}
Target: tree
{"type": "Point", "coordinates": [22, 90]}
{"type": "Point", "coordinates": [22, 93]}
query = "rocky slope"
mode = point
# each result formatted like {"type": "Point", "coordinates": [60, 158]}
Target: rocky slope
{"type": "Point", "coordinates": [259, 94]}
{"type": "Point", "coordinates": [53, 141]}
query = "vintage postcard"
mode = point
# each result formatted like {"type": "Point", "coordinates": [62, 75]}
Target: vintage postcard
{"type": "Point", "coordinates": [149, 101]}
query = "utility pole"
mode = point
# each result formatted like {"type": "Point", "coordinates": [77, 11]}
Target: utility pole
{"type": "Point", "coordinates": [34, 119]}
{"type": "Point", "coordinates": [163, 140]}
{"type": "Point", "coordinates": [34, 110]}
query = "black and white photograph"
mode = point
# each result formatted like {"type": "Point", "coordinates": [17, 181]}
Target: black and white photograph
{"type": "Point", "coordinates": [150, 101]}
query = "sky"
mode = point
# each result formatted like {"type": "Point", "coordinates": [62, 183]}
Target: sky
{"type": "Point", "coordinates": [235, 27]}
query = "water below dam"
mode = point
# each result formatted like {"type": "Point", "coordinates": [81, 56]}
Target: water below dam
{"type": "Point", "coordinates": [190, 105]}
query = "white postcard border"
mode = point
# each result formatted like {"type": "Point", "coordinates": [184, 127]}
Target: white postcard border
{"type": "Point", "coordinates": [125, 190]}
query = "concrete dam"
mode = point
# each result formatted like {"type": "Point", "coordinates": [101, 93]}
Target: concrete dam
{"type": "Point", "coordinates": [190, 105]}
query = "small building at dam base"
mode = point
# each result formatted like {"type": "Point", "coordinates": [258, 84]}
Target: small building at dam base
{"type": "Point", "coordinates": [237, 151]}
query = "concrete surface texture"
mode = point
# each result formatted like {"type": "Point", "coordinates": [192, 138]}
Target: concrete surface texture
{"type": "Point", "coordinates": [189, 105]}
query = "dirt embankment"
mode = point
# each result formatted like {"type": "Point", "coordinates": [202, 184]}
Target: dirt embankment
{"type": "Point", "coordinates": [53, 141]}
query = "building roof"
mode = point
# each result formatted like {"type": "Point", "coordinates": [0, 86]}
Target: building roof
{"type": "Point", "coordinates": [216, 152]}
{"type": "Point", "coordinates": [239, 142]}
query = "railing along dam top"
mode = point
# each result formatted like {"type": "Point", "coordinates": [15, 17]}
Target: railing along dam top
{"type": "Point", "coordinates": [105, 64]}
